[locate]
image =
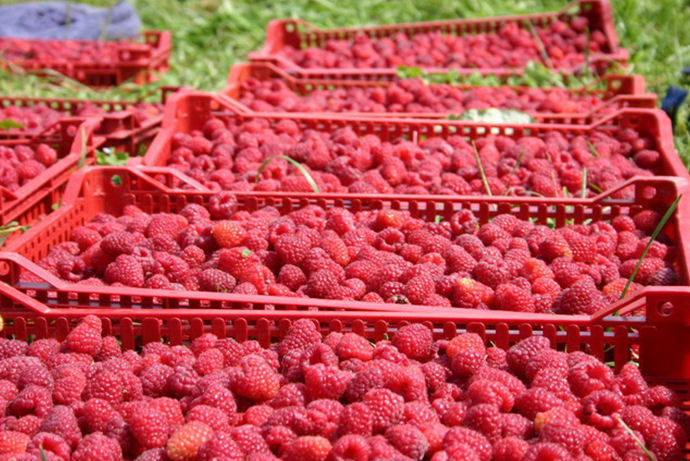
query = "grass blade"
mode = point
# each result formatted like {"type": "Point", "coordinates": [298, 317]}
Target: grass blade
{"type": "Point", "coordinates": [82, 160]}
{"type": "Point", "coordinates": [656, 232]}
{"type": "Point", "coordinates": [540, 45]}
{"type": "Point", "coordinates": [639, 442]}
{"type": "Point", "coordinates": [298, 165]}
{"type": "Point", "coordinates": [584, 183]}
{"type": "Point", "coordinates": [481, 169]}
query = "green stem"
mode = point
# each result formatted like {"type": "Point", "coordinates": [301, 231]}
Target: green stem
{"type": "Point", "coordinates": [297, 165]}
{"type": "Point", "coordinates": [481, 169]}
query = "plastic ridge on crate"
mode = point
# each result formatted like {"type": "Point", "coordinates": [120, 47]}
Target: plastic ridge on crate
{"type": "Point", "coordinates": [297, 33]}
{"type": "Point", "coordinates": [141, 62]}
{"type": "Point", "coordinates": [118, 125]}
{"type": "Point", "coordinates": [188, 111]}
{"type": "Point", "coordinates": [621, 91]}
{"type": "Point", "coordinates": [94, 190]}
{"type": "Point", "coordinates": [41, 195]}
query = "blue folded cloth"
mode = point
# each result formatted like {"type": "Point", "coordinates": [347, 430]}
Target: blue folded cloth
{"type": "Point", "coordinates": [65, 20]}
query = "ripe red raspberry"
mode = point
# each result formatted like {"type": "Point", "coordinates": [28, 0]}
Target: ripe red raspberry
{"type": "Point", "coordinates": [307, 448]}
{"type": "Point", "coordinates": [600, 409]}
{"type": "Point", "coordinates": [568, 436]}
{"type": "Point", "coordinates": [228, 234]}
{"type": "Point", "coordinates": [471, 341]}
{"type": "Point", "coordinates": [350, 447]}
{"type": "Point", "coordinates": [148, 425]}
{"type": "Point", "coordinates": [257, 380]}
{"type": "Point", "coordinates": [356, 418]}
{"type": "Point", "coordinates": [485, 419]}
{"type": "Point", "coordinates": [249, 439]}
{"type": "Point", "coordinates": [126, 270]}
{"type": "Point", "coordinates": [408, 440]}
{"type": "Point", "coordinates": [547, 358]}
{"type": "Point", "coordinates": [525, 351]}
{"type": "Point", "coordinates": [215, 418]}
{"type": "Point", "coordinates": [459, 436]}
{"type": "Point", "coordinates": [184, 443]}
{"type": "Point", "coordinates": [555, 246]}
{"type": "Point", "coordinates": [352, 345]}
{"type": "Point", "coordinates": [513, 298]}
{"type": "Point", "coordinates": [31, 400]}
{"type": "Point", "coordinates": [302, 334]}
{"type": "Point", "coordinates": [292, 248]}
{"type": "Point", "coordinates": [85, 338]}
{"type": "Point", "coordinates": [62, 421]}
{"type": "Point", "coordinates": [97, 413]}
{"type": "Point", "coordinates": [589, 376]}
{"type": "Point", "coordinates": [51, 444]}
{"type": "Point", "coordinates": [491, 271]}
{"type": "Point", "coordinates": [541, 451]}
{"type": "Point", "coordinates": [325, 382]}
{"type": "Point", "coordinates": [291, 276]}
{"type": "Point", "coordinates": [490, 392]}
{"type": "Point", "coordinates": [321, 284]}
{"type": "Point", "coordinates": [536, 400]}
{"type": "Point", "coordinates": [12, 442]}
{"type": "Point", "coordinates": [414, 340]}
{"type": "Point", "coordinates": [119, 243]}
{"type": "Point", "coordinates": [510, 449]}
{"type": "Point", "coordinates": [217, 281]}
{"type": "Point", "coordinates": [419, 288]}
{"type": "Point", "coordinates": [336, 249]}
{"type": "Point", "coordinates": [70, 382]}
{"type": "Point", "coordinates": [97, 446]}
{"type": "Point", "coordinates": [645, 273]}
{"type": "Point", "coordinates": [647, 220]}
{"type": "Point", "coordinates": [466, 362]}
{"type": "Point", "coordinates": [386, 408]}
{"type": "Point", "coordinates": [221, 445]}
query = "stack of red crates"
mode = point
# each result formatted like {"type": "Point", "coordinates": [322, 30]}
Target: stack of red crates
{"type": "Point", "coordinates": [654, 322]}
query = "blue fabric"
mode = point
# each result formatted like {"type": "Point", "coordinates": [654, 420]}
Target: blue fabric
{"type": "Point", "coordinates": [672, 101]}
{"type": "Point", "coordinates": [65, 20]}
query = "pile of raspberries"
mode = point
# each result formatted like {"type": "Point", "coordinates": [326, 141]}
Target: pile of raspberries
{"type": "Point", "coordinates": [22, 163]}
{"type": "Point", "coordinates": [511, 46]}
{"type": "Point", "coordinates": [411, 96]}
{"type": "Point", "coordinates": [374, 256]}
{"type": "Point", "coordinates": [337, 397]}
{"type": "Point", "coordinates": [228, 157]}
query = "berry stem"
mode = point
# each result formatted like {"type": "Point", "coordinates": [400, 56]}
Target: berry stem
{"type": "Point", "coordinates": [656, 232]}
{"type": "Point", "coordinates": [298, 165]}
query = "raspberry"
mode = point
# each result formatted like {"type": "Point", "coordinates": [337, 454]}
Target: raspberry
{"type": "Point", "coordinates": [555, 246]}
{"type": "Point", "coordinates": [291, 276]}
{"type": "Point", "coordinates": [215, 418]}
{"type": "Point", "coordinates": [31, 400]}
{"type": "Point", "coordinates": [221, 444]}
{"type": "Point", "coordinates": [85, 339]}
{"type": "Point", "coordinates": [307, 448]}
{"type": "Point", "coordinates": [257, 380]}
{"type": "Point", "coordinates": [459, 436]}
{"type": "Point", "coordinates": [126, 270]}
{"type": "Point", "coordinates": [13, 442]}
{"type": "Point", "coordinates": [408, 440]}
{"type": "Point", "coordinates": [600, 409]}
{"type": "Point", "coordinates": [350, 447]}
{"type": "Point", "coordinates": [419, 288]}
{"type": "Point", "coordinates": [302, 334]}
{"type": "Point", "coordinates": [525, 351]}
{"type": "Point", "coordinates": [491, 271]}
{"type": "Point", "coordinates": [171, 409]}
{"type": "Point", "coordinates": [51, 444]}
{"type": "Point", "coordinates": [249, 439]}
{"type": "Point", "coordinates": [386, 408]}
{"type": "Point", "coordinates": [514, 425]}
{"type": "Point", "coordinates": [325, 382]}
{"type": "Point", "coordinates": [97, 413]}
{"type": "Point", "coordinates": [292, 248]}
{"type": "Point", "coordinates": [541, 451]}
{"type": "Point", "coordinates": [228, 234]}
{"type": "Point", "coordinates": [513, 298]}
{"type": "Point", "coordinates": [510, 449]}
{"type": "Point", "coordinates": [154, 379]}
{"type": "Point", "coordinates": [97, 446]}
{"type": "Point", "coordinates": [466, 362]}
{"type": "Point", "coordinates": [589, 376]}
{"type": "Point", "coordinates": [149, 426]}
{"type": "Point", "coordinates": [352, 345]}
{"type": "Point", "coordinates": [119, 243]}
{"type": "Point", "coordinates": [184, 443]}
{"type": "Point", "coordinates": [547, 358]}
{"type": "Point", "coordinates": [62, 421]}
{"type": "Point", "coordinates": [356, 418]}
{"type": "Point", "coordinates": [69, 385]}
{"type": "Point", "coordinates": [321, 284]}
{"type": "Point", "coordinates": [485, 419]}
{"type": "Point", "coordinates": [414, 340]}
{"type": "Point", "coordinates": [490, 392]}
{"type": "Point", "coordinates": [647, 220]}
{"type": "Point", "coordinates": [536, 400]}
{"type": "Point", "coordinates": [217, 281]}
{"type": "Point", "coordinates": [570, 437]}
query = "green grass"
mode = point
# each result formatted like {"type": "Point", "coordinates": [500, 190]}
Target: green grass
{"type": "Point", "coordinates": [210, 35]}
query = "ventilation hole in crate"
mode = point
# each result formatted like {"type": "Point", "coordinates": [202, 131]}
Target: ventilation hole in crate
{"type": "Point", "coordinates": [4, 268]}
{"type": "Point", "coordinates": [116, 180]}
{"type": "Point", "coordinates": [666, 309]}
{"type": "Point", "coordinates": [616, 84]}
{"type": "Point", "coordinates": [290, 27]}
{"type": "Point", "coordinates": [648, 192]}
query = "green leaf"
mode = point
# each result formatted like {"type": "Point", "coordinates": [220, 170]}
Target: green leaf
{"type": "Point", "coordinates": [8, 123]}
{"type": "Point", "coordinates": [109, 157]}
{"type": "Point", "coordinates": [298, 165]}
{"type": "Point", "coordinates": [10, 228]}
{"type": "Point", "coordinates": [495, 115]}
{"type": "Point", "coordinates": [410, 72]}
{"type": "Point", "coordinates": [656, 232]}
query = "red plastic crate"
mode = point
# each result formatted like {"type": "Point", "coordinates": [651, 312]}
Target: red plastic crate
{"type": "Point", "coordinates": [188, 111]}
{"type": "Point", "coordinates": [296, 33]}
{"type": "Point", "coordinates": [122, 130]}
{"type": "Point", "coordinates": [39, 196]}
{"type": "Point", "coordinates": [109, 189]}
{"type": "Point", "coordinates": [139, 61]}
{"type": "Point", "coordinates": [621, 91]}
